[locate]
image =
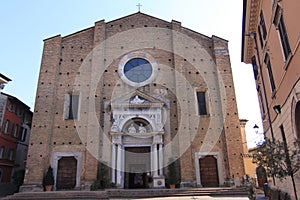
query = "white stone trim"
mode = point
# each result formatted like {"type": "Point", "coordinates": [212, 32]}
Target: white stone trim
{"type": "Point", "coordinates": [142, 116]}
{"type": "Point", "coordinates": [138, 54]}
{"type": "Point", "coordinates": [217, 155]}
{"type": "Point", "coordinates": [76, 155]}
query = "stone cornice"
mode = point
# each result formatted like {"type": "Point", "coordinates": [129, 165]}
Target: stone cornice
{"type": "Point", "coordinates": [150, 134]}
{"type": "Point", "coordinates": [144, 105]}
{"type": "Point", "coordinates": [250, 23]}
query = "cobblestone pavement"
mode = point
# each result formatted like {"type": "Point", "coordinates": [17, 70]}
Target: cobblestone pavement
{"type": "Point", "coordinates": [195, 198]}
{"type": "Point", "coordinates": [258, 197]}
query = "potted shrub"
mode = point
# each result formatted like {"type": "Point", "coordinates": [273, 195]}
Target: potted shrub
{"type": "Point", "coordinates": [48, 180]}
{"type": "Point", "coordinates": [172, 175]}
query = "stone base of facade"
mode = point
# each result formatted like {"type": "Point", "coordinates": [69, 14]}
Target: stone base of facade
{"type": "Point", "coordinates": [86, 186]}
{"type": "Point", "coordinates": [187, 184]}
{"type": "Point", "coordinates": [237, 182]}
{"type": "Point", "coordinates": [159, 182]}
{"type": "Point", "coordinates": [32, 188]}
{"type": "Point", "coordinates": [229, 183]}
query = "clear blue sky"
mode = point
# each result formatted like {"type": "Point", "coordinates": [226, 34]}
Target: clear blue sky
{"type": "Point", "coordinates": [25, 24]}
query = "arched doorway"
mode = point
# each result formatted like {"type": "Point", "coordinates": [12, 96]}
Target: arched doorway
{"type": "Point", "coordinates": [138, 155]}
{"type": "Point", "coordinates": [66, 173]}
{"type": "Point", "coordinates": [261, 175]}
{"type": "Point", "coordinates": [209, 171]}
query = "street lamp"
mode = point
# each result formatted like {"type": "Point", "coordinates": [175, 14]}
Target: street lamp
{"type": "Point", "coordinates": [255, 127]}
{"type": "Point", "coordinates": [261, 140]}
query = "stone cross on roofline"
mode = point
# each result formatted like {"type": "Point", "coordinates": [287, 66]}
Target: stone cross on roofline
{"type": "Point", "coordinates": [139, 6]}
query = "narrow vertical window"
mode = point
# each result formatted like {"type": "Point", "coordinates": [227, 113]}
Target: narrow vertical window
{"type": "Point", "coordinates": [284, 38]}
{"type": "Point", "coordinates": [282, 134]}
{"type": "Point", "coordinates": [261, 40]}
{"type": "Point", "coordinates": [11, 154]}
{"type": "Point", "coordinates": [261, 102]}
{"type": "Point", "coordinates": [1, 152]}
{"type": "Point", "coordinates": [23, 134]}
{"type": "Point", "coordinates": [278, 21]}
{"type": "Point", "coordinates": [15, 131]}
{"type": "Point", "coordinates": [254, 66]}
{"type": "Point", "coordinates": [6, 153]}
{"type": "Point", "coordinates": [271, 77]}
{"type": "Point", "coordinates": [5, 126]}
{"type": "Point", "coordinates": [201, 103]}
{"type": "Point", "coordinates": [262, 30]}
{"type": "Point", "coordinates": [73, 106]}
{"type": "Point", "coordinates": [263, 26]}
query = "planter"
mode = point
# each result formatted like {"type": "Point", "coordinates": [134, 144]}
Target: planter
{"type": "Point", "coordinates": [48, 180]}
{"type": "Point", "coordinates": [172, 186]}
{"type": "Point", "coordinates": [48, 188]}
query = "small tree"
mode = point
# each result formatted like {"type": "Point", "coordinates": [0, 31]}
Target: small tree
{"type": "Point", "coordinates": [49, 178]}
{"type": "Point", "coordinates": [278, 160]}
{"type": "Point", "coordinates": [172, 173]}
{"type": "Point", "coordinates": [104, 176]}
{"type": "Point", "coordinates": [103, 179]}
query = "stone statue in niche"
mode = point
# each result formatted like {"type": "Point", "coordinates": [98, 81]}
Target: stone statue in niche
{"type": "Point", "coordinates": [131, 129]}
{"type": "Point", "coordinates": [142, 129]}
{"type": "Point", "coordinates": [161, 92]}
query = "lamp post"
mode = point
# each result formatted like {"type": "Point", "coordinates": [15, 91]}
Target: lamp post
{"type": "Point", "coordinates": [261, 140]}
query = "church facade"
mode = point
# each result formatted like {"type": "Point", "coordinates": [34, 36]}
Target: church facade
{"type": "Point", "coordinates": [135, 95]}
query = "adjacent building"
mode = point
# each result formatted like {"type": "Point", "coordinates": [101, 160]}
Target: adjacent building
{"type": "Point", "coordinates": [270, 43]}
{"type": "Point", "coordinates": [15, 123]}
{"type": "Point", "coordinates": [135, 94]}
{"type": "Point", "coordinates": [3, 80]}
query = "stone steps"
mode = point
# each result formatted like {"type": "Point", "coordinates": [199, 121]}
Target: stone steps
{"type": "Point", "coordinates": [126, 193]}
{"type": "Point", "coordinates": [61, 195]}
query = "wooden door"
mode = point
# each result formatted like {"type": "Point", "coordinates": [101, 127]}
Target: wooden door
{"type": "Point", "coordinates": [137, 164]}
{"type": "Point", "coordinates": [66, 173]}
{"type": "Point", "coordinates": [261, 176]}
{"type": "Point", "coordinates": [209, 171]}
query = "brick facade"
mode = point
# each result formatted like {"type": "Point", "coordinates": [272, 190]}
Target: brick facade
{"type": "Point", "coordinates": [87, 63]}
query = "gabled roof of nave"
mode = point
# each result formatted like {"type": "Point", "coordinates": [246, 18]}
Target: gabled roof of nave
{"type": "Point", "coordinates": [137, 15]}
{"type": "Point", "coordinates": [142, 16]}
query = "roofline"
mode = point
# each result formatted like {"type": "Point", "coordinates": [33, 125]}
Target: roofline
{"type": "Point", "coordinates": [135, 14]}
{"type": "Point", "coordinates": [5, 77]}
{"type": "Point", "coordinates": [170, 22]}
{"type": "Point", "coordinates": [243, 28]}
{"type": "Point", "coordinates": [214, 36]}
{"type": "Point", "coordinates": [52, 37]}
{"type": "Point", "coordinates": [77, 32]}
{"type": "Point", "coordinates": [15, 98]}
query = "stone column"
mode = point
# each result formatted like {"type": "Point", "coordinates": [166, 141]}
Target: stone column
{"type": "Point", "coordinates": [155, 161]}
{"type": "Point", "coordinates": [160, 159]}
{"type": "Point", "coordinates": [119, 165]}
{"type": "Point", "coordinates": [113, 164]}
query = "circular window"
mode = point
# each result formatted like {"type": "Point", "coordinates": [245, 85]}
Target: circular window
{"type": "Point", "coordinates": [138, 70]}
